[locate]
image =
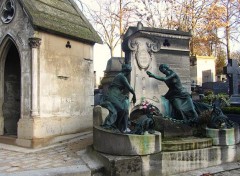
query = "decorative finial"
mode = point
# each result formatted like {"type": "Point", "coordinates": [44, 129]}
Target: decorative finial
{"type": "Point", "coordinates": [139, 26]}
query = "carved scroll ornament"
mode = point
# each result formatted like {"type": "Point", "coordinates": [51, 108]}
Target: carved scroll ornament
{"type": "Point", "coordinates": [143, 52]}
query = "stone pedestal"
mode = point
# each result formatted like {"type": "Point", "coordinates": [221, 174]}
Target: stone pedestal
{"type": "Point", "coordinates": [122, 154]}
{"type": "Point", "coordinates": [125, 144]}
{"type": "Point", "coordinates": [167, 163]}
{"type": "Point", "coordinates": [224, 136]}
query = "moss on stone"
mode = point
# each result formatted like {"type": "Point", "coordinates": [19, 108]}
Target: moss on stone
{"type": "Point", "coordinates": [60, 17]}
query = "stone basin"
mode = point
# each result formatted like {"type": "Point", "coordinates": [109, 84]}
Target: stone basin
{"type": "Point", "coordinates": [120, 144]}
{"type": "Point", "coordinates": [224, 136]}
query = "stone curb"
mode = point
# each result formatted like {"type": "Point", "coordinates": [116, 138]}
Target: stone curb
{"type": "Point", "coordinates": [212, 170]}
{"type": "Point", "coordinates": [79, 170]}
{"type": "Point", "coordinates": [75, 137]}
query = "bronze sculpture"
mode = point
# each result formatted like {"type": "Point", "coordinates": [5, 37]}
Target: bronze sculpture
{"type": "Point", "coordinates": [179, 98]}
{"type": "Point", "coordinates": [117, 102]}
{"type": "Point", "coordinates": [184, 108]}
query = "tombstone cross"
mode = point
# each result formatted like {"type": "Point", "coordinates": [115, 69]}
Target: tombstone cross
{"type": "Point", "coordinates": [232, 70]}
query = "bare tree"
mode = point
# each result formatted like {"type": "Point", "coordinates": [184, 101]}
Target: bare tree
{"type": "Point", "coordinates": [236, 55]}
{"type": "Point", "coordinates": [156, 13]}
{"type": "Point", "coordinates": [110, 19]}
{"type": "Point", "coordinates": [232, 20]}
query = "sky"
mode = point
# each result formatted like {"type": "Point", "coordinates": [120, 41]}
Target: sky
{"type": "Point", "coordinates": [101, 53]}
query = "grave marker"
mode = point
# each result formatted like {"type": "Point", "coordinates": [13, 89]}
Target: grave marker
{"type": "Point", "coordinates": [232, 70]}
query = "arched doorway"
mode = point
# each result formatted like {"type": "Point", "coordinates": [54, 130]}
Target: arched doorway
{"type": "Point", "coordinates": [12, 90]}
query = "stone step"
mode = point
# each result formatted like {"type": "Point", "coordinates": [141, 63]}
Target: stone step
{"type": "Point", "coordinates": [79, 170]}
{"type": "Point", "coordinates": [186, 143]}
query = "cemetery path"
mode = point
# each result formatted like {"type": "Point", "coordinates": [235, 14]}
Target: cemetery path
{"type": "Point", "coordinates": [68, 159]}
{"type": "Point", "coordinates": [19, 161]}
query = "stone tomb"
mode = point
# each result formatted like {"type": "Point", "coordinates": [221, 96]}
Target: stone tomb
{"type": "Point", "coordinates": [145, 49]}
{"type": "Point", "coordinates": [46, 56]}
{"type": "Point", "coordinates": [122, 154]}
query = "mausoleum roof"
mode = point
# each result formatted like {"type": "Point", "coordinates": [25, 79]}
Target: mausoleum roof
{"type": "Point", "coordinates": [132, 29]}
{"type": "Point", "coordinates": [61, 17]}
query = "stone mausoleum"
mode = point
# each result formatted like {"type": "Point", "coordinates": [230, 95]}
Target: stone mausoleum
{"type": "Point", "coordinates": [46, 71]}
{"type": "Point", "coordinates": [145, 49]}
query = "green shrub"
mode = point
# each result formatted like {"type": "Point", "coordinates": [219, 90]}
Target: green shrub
{"type": "Point", "coordinates": [210, 98]}
{"type": "Point", "coordinates": [231, 110]}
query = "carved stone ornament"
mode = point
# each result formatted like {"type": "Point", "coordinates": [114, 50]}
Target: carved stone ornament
{"type": "Point", "coordinates": [8, 11]}
{"type": "Point", "coordinates": [34, 42]}
{"type": "Point", "coordinates": [144, 52]}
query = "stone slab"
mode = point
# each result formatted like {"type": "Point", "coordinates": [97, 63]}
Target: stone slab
{"type": "Point", "coordinates": [169, 163]}
{"type": "Point", "coordinates": [121, 165]}
{"type": "Point", "coordinates": [125, 144]}
{"type": "Point", "coordinates": [189, 143]}
{"type": "Point", "coordinates": [79, 170]}
{"type": "Point", "coordinates": [169, 128]}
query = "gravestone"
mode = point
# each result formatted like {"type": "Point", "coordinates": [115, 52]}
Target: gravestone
{"type": "Point", "coordinates": [114, 66]}
{"type": "Point", "coordinates": [216, 87]}
{"type": "Point", "coordinates": [233, 71]}
{"type": "Point", "coordinates": [145, 49]}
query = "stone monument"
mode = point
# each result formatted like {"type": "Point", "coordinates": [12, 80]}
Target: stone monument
{"type": "Point", "coordinates": [145, 49]}
{"type": "Point", "coordinates": [232, 70]}
{"type": "Point", "coordinates": [152, 154]}
{"type": "Point", "coordinates": [46, 56]}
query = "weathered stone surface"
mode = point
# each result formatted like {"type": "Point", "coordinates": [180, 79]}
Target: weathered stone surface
{"type": "Point", "coordinates": [121, 165]}
{"type": "Point", "coordinates": [99, 115]}
{"type": "Point", "coordinates": [125, 144]}
{"type": "Point", "coordinates": [183, 161]}
{"type": "Point", "coordinates": [61, 17]}
{"type": "Point", "coordinates": [56, 82]}
{"type": "Point", "coordinates": [17, 31]}
{"type": "Point", "coordinates": [145, 48]}
{"type": "Point", "coordinates": [168, 163]}
{"type": "Point", "coordinates": [229, 136]}
{"type": "Point", "coordinates": [114, 66]}
{"type": "Point", "coordinates": [187, 143]}
{"type": "Point", "coordinates": [170, 129]}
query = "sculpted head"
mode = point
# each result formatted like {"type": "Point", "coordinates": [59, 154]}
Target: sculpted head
{"type": "Point", "coordinates": [163, 68]}
{"type": "Point", "coordinates": [126, 68]}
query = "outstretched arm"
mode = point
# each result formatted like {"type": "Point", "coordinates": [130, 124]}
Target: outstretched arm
{"type": "Point", "coordinates": [154, 76]}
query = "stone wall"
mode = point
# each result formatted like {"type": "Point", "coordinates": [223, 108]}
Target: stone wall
{"type": "Point", "coordinates": [57, 100]}
{"type": "Point", "coordinates": [66, 84]}
{"type": "Point", "coordinates": [17, 32]}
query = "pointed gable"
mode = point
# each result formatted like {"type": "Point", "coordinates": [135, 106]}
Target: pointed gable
{"type": "Point", "coordinates": [61, 17]}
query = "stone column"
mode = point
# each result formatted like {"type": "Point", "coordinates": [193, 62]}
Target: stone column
{"type": "Point", "coordinates": [34, 44]}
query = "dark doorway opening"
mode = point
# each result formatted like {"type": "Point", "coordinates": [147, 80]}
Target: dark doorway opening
{"type": "Point", "coordinates": [12, 93]}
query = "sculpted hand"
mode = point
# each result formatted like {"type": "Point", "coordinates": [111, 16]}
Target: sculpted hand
{"type": "Point", "coordinates": [150, 74]}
